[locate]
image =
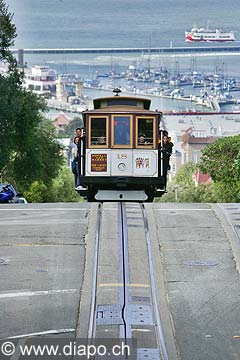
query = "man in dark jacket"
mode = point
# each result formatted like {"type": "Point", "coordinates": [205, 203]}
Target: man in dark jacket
{"type": "Point", "coordinates": [79, 140]}
{"type": "Point", "coordinates": [165, 151]}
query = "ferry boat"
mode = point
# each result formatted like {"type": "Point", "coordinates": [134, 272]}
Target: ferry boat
{"type": "Point", "coordinates": [40, 79]}
{"type": "Point", "coordinates": [209, 35]}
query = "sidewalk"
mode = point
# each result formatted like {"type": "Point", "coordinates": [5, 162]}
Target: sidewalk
{"type": "Point", "coordinates": [200, 254]}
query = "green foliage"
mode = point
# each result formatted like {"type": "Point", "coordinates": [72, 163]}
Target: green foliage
{"type": "Point", "coordinates": [205, 193]}
{"type": "Point", "coordinates": [184, 175]}
{"type": "Point", "coordinates": [222, 159]}
{"type": "Point", "coordinates": [227, 192]}
{"type": "Point", "coordinates": [60, 190]}
{"type": "Point", "coordinates": [29, 152]}
{"type": "Point", "coordinates": [39, 157]}
{"type": "Point", "coordinates": [7, 33]}
{"type": "Point", "coordinates": [36, 192]}
{"type": "Point", "coordinates": [9, 109]}
{"type": "Point", "coordinates": [64, 187]}
{"type": "Point", "coordinates": [182, 188]}
{"type": "Point", "coordinates": [70, 128]}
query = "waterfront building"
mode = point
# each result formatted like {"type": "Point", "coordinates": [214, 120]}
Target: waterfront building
{"type": "Point", "coordinates": [192, 146]}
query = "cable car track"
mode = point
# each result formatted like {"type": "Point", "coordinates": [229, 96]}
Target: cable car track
{"type": "Point", "coordinates": [131, 317]}
{"type": "Point", "coordinates": [91, 327]}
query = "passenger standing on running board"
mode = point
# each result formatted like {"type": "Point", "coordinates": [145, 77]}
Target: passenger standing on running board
{"type": "Point", "coordinates": [165, 152]}
{"type": "Point", "coordinates": [81, 155]}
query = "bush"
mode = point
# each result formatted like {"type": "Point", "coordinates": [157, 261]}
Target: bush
{"type": "Point", "coordinates": [62, 189]}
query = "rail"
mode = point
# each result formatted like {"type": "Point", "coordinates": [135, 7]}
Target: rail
{"type": "Point", "coordinates": [124, 270]}
{"type": "Point", "coordinates": [91, 327]}
{"type": "Point", "coordinates": [153, 286]}
{"type": "Point", "coordinates": [128, 314]}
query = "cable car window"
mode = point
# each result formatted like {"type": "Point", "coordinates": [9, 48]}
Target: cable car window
{"type": "Point", "coordinates": [145, 132]}
{"type": "Point", "coordinates": [122, 131]}
{"type": "Point", "coordinates": [98, 131]}
{"type": "Point", "coordinates": [126, 102]}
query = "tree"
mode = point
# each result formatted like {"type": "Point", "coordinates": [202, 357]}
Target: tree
{"type": "Point", "coordinates": [9, 84]}
{"type": "Point", "coordinates": [183, 189]}
{"type": "Point", "coordinates": [74, 123]}
{"type": "Point", "coordinates": [221, 160]}
{"type": "Point", "coordinates": [29, 151]}
{"type": "Point", "coordinates": [63, 187]}
{"type": "Point", "coordinates": [60, 190]}
{"type": "Point", "coordinates": [37, 159]}
{"type": "Point", "coordinates": [7, 34]}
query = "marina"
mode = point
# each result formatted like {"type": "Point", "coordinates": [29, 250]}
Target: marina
{"type": "Point", "coordinates": [192, 90]}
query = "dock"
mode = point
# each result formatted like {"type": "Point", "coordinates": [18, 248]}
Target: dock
{"type": "Point", "coordinates": [208, 102]}
{"type": "Point", "coordinates": [185, 50]}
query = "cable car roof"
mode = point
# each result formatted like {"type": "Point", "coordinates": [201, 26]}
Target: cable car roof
{"type": "Point", "coordinates": [122, 101]}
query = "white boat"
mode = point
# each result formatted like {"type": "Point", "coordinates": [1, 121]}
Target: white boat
{"type": "Point", "coordinates": [209, 35]}
{"type": "Point", "coordinates": [40, 79]}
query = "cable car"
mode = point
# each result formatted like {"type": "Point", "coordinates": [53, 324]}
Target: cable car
{"type": "Point", "coordinates": [119, 155]}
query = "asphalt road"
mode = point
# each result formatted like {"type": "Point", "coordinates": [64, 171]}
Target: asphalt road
{"type": "Point", "coordinates": [42, 262]}
{"type": "Point", "coordinates": [200, 251]}
{"type": "Point", "coordinates": [42, 253]}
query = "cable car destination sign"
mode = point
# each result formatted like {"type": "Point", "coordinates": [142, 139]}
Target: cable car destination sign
{"type": "Point", "coordinates": [98, 162]}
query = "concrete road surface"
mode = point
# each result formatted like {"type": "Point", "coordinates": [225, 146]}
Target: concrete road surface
{"type": "Point", "coordinates": [200, 247]}
{"type": "Point", "coordinates": [42, 262]}
{"type": "Point", "coordinates": [42, 251]}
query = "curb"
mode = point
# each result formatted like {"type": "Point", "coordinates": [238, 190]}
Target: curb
{"type": "Point", "coordinates": [85, 301]}
{"type": "Point", "coordinates": [167, 323]}
{"type": "Point", "coordinates": [230, 232]}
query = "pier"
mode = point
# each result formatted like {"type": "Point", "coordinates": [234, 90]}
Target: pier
{"type": "Point", "coordinates": [186, 50]}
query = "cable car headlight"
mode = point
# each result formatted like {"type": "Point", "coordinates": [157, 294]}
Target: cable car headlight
{"type": "Point", "coordinates": [121, 167]}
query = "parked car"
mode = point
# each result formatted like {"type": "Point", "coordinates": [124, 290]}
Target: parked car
{"type": "Point", "coordinates": [8, 194]}
{"type": "Point", "coordinates": [22, 200]}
